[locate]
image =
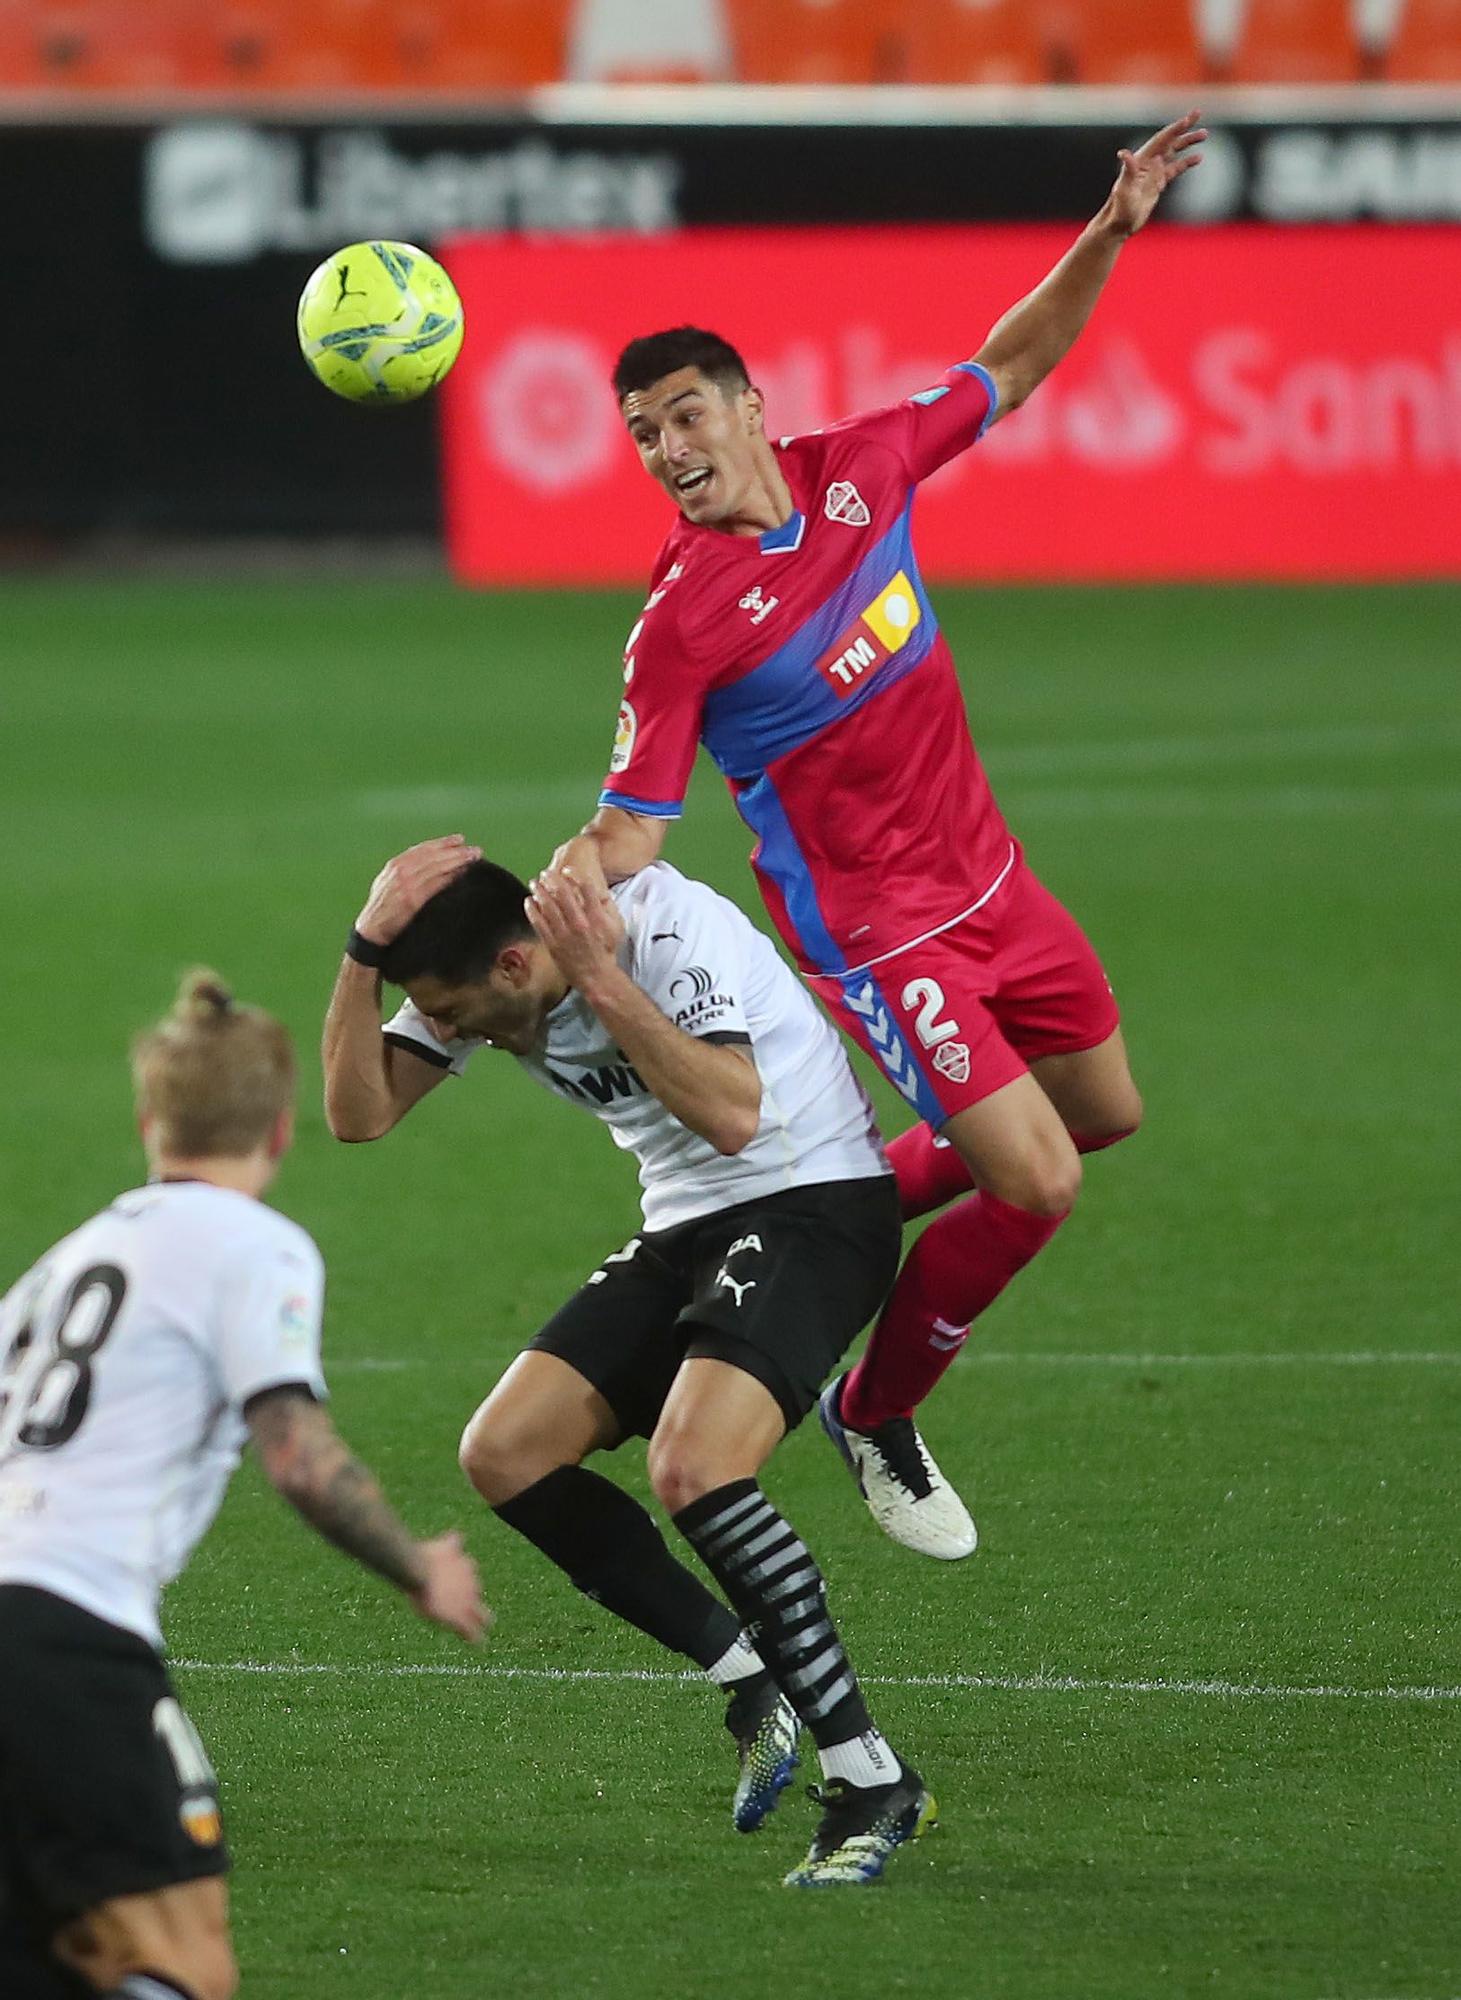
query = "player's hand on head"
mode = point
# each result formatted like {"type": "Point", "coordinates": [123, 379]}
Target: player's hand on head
{"type": "Point", "coordinates": [580, 856]}
{"type": "Point", "coordinates": [580, 927]}
{"type": "Point", "coordinates": [1148, 172]}
{"type": "Point", "coordinates": [452, 1592]}
{"type": "Point", "coordinates": [408, 880]}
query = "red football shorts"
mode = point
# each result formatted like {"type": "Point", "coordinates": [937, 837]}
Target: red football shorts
{"type": "Point", "coordinates": [954, 1018]}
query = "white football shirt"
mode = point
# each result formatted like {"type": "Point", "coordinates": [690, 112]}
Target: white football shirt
{"type": "Point", "coordinates": [126, 1356]}
{"type": "Point", "coordinates": [707, 967]}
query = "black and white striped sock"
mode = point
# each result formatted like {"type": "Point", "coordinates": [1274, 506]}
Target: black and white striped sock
{"type": "Point", "coordinates": [770, 1576]}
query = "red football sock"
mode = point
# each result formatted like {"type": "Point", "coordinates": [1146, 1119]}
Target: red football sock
{"type": "Point", "coordinates": [959, 1265]}
{"type": "Point", "coordinates": [929, 1172]}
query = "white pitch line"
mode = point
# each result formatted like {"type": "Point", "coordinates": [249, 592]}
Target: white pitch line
{"type": "Point", "coordinates": [1369, 1358]}
{"type": "Point", "coordinates": [994, 1683]}
{"type": "Point", "coordinates": [1035, 1357]}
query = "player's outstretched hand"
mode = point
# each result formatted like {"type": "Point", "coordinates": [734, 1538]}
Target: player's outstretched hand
{"type": "Point", "coordinates": [581, 928]}
{"type": "Point", "coordinates": [452, 1593]}
{"type": "Point", "coordinates": [1147, 173]}
{"type": "Point", "coordinates": [408, 880]}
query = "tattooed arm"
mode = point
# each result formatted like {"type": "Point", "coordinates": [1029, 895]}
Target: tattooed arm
{"type": "Point", "coordinates": [307, 1461]}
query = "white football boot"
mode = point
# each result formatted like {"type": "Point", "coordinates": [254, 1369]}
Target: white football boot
{"type": "Point", "coordinates": [907, 1495]}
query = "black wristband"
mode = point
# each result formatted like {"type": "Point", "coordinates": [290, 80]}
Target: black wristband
{"type": "Point", "coordinates": [364, 950]}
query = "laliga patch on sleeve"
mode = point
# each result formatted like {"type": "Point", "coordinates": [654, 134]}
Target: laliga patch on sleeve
{"type": "Point", "coordinates": [294, 1320]}
{"type": "Point", "coordinates": [930, 395]}
{"type": "Point", "coordinates": [624, 735]}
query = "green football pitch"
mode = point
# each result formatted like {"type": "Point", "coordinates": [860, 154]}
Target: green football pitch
{"type": "Point", "coordinates": [1193, 1712]}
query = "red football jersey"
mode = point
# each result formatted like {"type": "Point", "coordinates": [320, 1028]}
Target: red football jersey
{"type": "Point", "coordinates": [809, 662]}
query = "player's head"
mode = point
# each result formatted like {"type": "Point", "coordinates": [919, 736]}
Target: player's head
{"type": "Point", "coordinates": [214, 1080]}
{"type": "Point", "coordinates": [470, 961]}
{"type": "Point", "coordinates": [695, 418]}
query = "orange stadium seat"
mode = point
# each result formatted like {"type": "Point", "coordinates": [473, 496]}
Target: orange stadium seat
{"type": "Point", "coordinates": [468, 45]}
{"type": "Point", "coordinates": [811, 41]}
{"type": "Point", "coordinates": [985, 41]}
{"type": "Point", "coordinates": [271, 45]}
{"type": "Point", "coordinates": [1296, 41]}
{"type": "Point", "coordinates": [1135, 41]}
{"type": "Point", "coordinates": [1427, 44]}
{"type": "Point", "coordinates": [87, 45]}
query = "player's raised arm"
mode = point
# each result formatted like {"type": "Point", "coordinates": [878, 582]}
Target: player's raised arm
{"type": "Point", "coordinates": [1034, 335]}
{"type": "Point", "coordinates": [306, 1460]}
{"type": "Point", "coordinates": [370, 1084]}
{"type": "Point", "coordinates": [714, 1089]}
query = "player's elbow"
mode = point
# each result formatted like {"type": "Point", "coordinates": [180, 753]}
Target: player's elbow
{"type": "Point", "coordinates": [734, 1130]}
{"type": "Point", "coordinates": [353, 1124]}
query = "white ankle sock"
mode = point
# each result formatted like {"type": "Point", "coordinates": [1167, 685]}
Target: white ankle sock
{"type": "Point", "coordinates": [737, 1663]}
{"type": "Point", "coordinates": [869, 1759]}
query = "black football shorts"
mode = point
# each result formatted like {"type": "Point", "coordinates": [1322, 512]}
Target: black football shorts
{"type": "Point", "coordinates": [105, 1788]}
{"type": "Point", "coordinates": [779, 1287]}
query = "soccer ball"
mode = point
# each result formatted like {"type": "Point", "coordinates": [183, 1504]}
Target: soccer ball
{"type": "Point", "coordinates": [380, 322]}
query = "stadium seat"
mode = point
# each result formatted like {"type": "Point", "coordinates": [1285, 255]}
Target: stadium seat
{"type": "Point", "coordinates": [811, 41]}
{"type": "Point", "coordinates": [1427, 44]}
{"type": "Point", "coordinates": [87, 45]}
{"type": "Point", "coordinates": [468, 45]}
{"type": "Point", "coordinates": [1004, 42]}
{"type": "Point", "coordinates": [1134, 41]}
{"type": "Point", "coordinates": [272, 45]}
{"type": "Point", "coordinates": [1297, 41]}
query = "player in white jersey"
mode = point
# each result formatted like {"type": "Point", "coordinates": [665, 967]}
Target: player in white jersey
{"type": "Point", "coordinates": [136, 1360]}
{"type": "Point", "coordinates": [771, 1234]}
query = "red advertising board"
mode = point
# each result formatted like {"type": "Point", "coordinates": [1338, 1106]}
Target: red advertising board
{"type": "Point", "coordinates": [1247, 402]}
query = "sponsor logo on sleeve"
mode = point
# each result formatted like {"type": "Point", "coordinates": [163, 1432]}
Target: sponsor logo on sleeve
{"type": "Point", "coordinates": [624, 735]}
{"type": "Point", "coordinates": [883, 629]}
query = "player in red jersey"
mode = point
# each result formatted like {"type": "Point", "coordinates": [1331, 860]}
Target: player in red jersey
{"type": "Point", "coordinates": [787, 629]}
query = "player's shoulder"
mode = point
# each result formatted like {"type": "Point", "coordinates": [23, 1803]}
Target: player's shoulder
{"type": "Point", "coordinates": [659, 902]}
{"type": "Point", "coordinates": [238, 1230]}
{"type": "Point", "coordinates": [861, 440]}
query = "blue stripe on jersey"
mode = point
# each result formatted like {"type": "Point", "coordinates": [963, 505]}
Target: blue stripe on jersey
{"type": "Point", "coordinates": [863, 996]}
{"type": "Point", "coordinates": [779, 857]}
{"type": "Point", "coordinates": [983, 375]}
{"type": "Point", "coordinates": [649, 808]}
{"type": "Point", "coordinates": [780, 704]}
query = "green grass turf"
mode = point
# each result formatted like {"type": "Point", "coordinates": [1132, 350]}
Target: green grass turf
{"type": "Point", "coordinates": [1250, 798]}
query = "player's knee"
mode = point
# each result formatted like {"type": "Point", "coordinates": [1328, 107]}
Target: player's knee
{"type": "Point", "coordinates": [1046, 1182]}
{"type": "Point", "coordinates": [680, 1473]}
{"type": "Point", "coordinates": [499, 1458]}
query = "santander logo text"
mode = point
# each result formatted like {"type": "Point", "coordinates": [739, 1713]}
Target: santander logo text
{"type": "Point", "coordinates": [1245, 401]}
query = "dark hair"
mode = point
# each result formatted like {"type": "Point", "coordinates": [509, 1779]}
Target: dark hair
{"type": "Point", "coordinates": [652, 356]}
{"type": "Point", "coordinates": [457, 935]}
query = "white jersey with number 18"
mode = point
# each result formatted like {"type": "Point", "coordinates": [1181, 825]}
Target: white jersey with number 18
{"type": "Point", "coordinates": [126, 1357]}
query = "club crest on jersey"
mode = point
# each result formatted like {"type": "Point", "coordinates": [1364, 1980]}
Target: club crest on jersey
{"type": "Point", "coordinates": [758, 606]}
{"type": "Point", "coordinates": [846, 504]}
{"type": "Point", "coordinates": [951, 1059]}
{"type": "Point", "coordinates": [885, 628]}
{"type": "Point", "coordinates": [624, 735]}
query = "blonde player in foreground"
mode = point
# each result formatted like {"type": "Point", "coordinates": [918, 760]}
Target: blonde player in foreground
{"type": "Point", "coordinates": [136, 1360]}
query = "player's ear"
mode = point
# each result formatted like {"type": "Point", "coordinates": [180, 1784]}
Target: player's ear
{"type": "Point", "coordinates": [753, 408]}
{"type": "Point", "coordinates": [281, 1136]}
{"type": "Point", "coordinates": [514, 962]}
